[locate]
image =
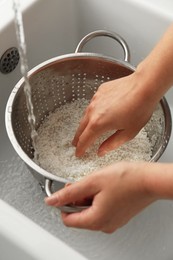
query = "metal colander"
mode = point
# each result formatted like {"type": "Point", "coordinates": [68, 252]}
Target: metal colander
{"type": "Point", "coordinates": [64, 79]}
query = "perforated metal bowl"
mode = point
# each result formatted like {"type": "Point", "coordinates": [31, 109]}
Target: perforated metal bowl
{"type": "Point", "coordinates": [64, 79]}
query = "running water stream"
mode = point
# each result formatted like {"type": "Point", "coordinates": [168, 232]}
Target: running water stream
{"type": "Point", "coordinates": [24, 69]}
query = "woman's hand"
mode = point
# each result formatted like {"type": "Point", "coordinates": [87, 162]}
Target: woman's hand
{"type": "Point", "coordinates": [118, 193]}
{"type": "Point", "coordinates": [120, 105]}
{"type": "Point", "coordinates": [126, 104]}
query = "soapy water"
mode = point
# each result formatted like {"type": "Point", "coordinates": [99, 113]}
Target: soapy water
{"type": "Point", "coordinates": [24, 69]}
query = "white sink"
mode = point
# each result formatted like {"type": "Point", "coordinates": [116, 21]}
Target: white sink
{"type": "Point", "coordinates": [53, 28]}
{"type": "Point", "coordinates": [22, 239]}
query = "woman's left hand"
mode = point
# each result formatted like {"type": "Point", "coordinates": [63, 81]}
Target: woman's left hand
{"type": "Point", "coordinates": [117, 192]}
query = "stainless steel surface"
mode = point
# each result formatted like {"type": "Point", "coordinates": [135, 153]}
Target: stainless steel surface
{"type": "Point", "coordinates": [58, 81]}
{"type": "Point", "coordinates": [67, 208]}
{"type": "Point", "coordinates": [146, 236]}
{"type": "Point", "coordinates": [104, 33]}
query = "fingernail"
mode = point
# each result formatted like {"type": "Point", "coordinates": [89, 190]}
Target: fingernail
{"type": "Point", "coordinates": [68, 184]}
{"type": "Point", "coordinates": [102, 153]}
{"type": "Point", "coordinates": [51, 200]}
{"type": "Point", "coordinates": [79, 154]}
{"type": "Point", "coordinates": [74, 142]}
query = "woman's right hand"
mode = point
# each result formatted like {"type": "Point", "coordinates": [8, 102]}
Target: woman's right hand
{"type": "Point", "coordinates": [126, 104]}
{"type": "Point", "coordinates": [120, 105]}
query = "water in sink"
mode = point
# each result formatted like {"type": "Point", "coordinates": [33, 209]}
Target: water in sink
{"type": "Point", "coordinates": [149, 235]}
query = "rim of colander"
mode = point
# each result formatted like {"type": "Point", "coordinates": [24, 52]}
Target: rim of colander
{"type": "Point", "coordinates": [8, 112]}
{"type": "Point", "coordinates": [167, 132]}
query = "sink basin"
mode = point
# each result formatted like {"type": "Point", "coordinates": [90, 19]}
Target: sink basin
{"type": "Point", "coordinates": [32, 242]}
{"type": "Point", "coordinates": [141, 24]}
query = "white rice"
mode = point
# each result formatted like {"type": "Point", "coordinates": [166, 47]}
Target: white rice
{"type": "Point", "coordinates": [57, 155]}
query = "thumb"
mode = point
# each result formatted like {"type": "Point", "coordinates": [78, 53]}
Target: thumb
{"type": "Point", "coordinates": [114, 141]}
{"type": "Point", "coordinates": [77, 191]}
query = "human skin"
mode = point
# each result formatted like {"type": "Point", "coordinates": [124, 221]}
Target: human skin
{"type": "Point", "coordinates": [120, 191]}
{"type": "Point", "coordinates": [126, 104]}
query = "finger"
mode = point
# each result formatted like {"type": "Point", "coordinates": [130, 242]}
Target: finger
{"type": "Point", "coordinates": [68, 184]}
{"type": "Point", "coordinates": [114, 141]}
{"type": "Point", "coordinates": [80, 129]}
{"type": "Point", "coordinates": [83, 219]}
{"type": "Point", "coordinates": [87, 138]}
{"type": "Point", "coordinates": [75, 192]}
{"type": "Point", "coordinates": [92, 218]}
{"type": "Point", "coordinates": [84, 202]}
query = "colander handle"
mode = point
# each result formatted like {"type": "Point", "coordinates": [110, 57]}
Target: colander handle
{"type": "Point", "coordinates": [110, 34]}
{"type": "Point", "coordinates": [67, 208]}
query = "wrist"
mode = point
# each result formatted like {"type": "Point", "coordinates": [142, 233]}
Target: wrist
{"type": "Point", "coordinates": [151, 87]}
{"type": "Point", "coordinates": [155, 71]}
{"type": "Point", "coordinates": [144, 185]}
{"type": "Point", "coordinates": [158, 180]}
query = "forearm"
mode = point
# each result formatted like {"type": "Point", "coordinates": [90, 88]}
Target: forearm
{"type": "Point", "coordinates": [156, 71]}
